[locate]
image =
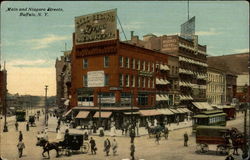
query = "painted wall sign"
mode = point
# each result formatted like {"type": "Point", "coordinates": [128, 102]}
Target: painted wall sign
{"type": "Point", "coordinates": [96, 79]}
{"type": "Point", "coordinates": [99, 26]}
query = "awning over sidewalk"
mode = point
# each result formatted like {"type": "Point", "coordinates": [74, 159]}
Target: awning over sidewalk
{"type": "Point", "coordinates": [180, 110]}
{"type": "Point", "coordinates": [67, 113]}
{"type": "Point", "coordinates": [152, 112]}
{"type": "Point", "coordinates": [82, 115]}
{"type": "Point", "coordinates": [66, 103]}
{"type": "Point", "coordinates": [174, 111]}
{"type": "Point", "coordinates": [185, 110]}
{"type": "Point", "coordinates": [129, 113]}
{"type": "Point", "coordinates": [202, 105]}
{"type": "Point", "coordinates": [165, 111]}
{"type": "Point", "coordinates": [103, 114]}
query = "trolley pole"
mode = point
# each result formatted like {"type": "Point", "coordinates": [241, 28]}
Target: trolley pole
{"type": "Point", "coordinates": [46, 107]}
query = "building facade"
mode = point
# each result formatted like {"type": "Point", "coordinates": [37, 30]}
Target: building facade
{"type": "Point", "coordinates": [3, 91]}
{"type": "Point", "coordinates": [192, 63]}
{"type": "Point", "coordinates": [216, 94]}
{"type": "Point", "coordinates": [117, 74]}
{"type": "Point", "coordinates": [231, 87]}
{"type": "Point", "coordinates": [63, 79]}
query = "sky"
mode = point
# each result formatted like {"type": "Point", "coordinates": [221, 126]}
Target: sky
{"type": "Point", "coordinates": [31, 44]}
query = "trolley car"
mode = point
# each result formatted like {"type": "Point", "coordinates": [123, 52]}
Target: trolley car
{"type": "Point", "coordinates": [20, 115]}
{"type": "Point", "coordinates": [209, 118]}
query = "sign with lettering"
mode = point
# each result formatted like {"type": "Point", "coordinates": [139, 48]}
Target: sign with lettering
{"type": "Point", "coordinates": [96, 79]}
{"type": "Point", "coordinates": [188, 29]}
{"type": "Point", "coordinates": [96, 27]}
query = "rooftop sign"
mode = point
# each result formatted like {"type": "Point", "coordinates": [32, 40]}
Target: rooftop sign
{"type": "Point", "coordinates": [188, 29]}
{"type": "Point", "coordinates": [95, 27]}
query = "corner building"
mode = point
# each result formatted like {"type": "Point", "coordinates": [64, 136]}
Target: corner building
{"type": "Point", "coordinates": [117, 76]}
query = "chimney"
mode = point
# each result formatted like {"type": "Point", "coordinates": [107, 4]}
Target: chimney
{"type": "Point", "coordinates": [132, 34]}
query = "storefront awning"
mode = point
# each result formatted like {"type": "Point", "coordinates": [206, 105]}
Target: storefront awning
{"type": "Point", "coordinates": [103, 114]}
{"type": "Point", "coordinates": [185, 110]}
{"type": "Point", "coordinates": [203, 105]}
{"type": "Point", "coordinates": [66, 103]}
{"type": "Point", "coordinates": [129, 113]}
{"type": "Point", "coordinates": [82, 114]}
{"type": "Point", "coordinates": [67, 113]}
{"type": "Point", "coordinates": [165, 111]}
{"type": "Point", "coordinates": [174, 111]}
{"type": "Point", "coordinates": [152, 112]}
{"type": "Point", "coordinates": [180, 110]}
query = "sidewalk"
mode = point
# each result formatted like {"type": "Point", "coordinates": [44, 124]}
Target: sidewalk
{"type": "Point", "coordinates": [142, 130]}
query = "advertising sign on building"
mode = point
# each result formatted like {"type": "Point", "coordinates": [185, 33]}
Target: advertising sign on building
{"type": "Point", "coordinates": [95, 27]}
{"type": "Point", "coordinates": [108, 100]}
{"type": "Point", "coordinates": [169, 43]}
{"type": "Point", "coordinates": [96, 79]}
{"type": "Point", "coordinates": [188, 29]}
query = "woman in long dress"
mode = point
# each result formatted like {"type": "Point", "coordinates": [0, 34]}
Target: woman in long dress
{"type": "Point", "coordinates": [59, 135]}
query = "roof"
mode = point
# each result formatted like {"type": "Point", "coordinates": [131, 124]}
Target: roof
{"type": "Point", "coordinates": [152, 112]}
{"type": "Point", "coordinates": [106, 108]}
{"type": "Point", "coordinates": [103, 114]}
{"type": "Point", "coordinates": [212, 127]}
{"type": "Point", "coordinates": [82, 114]}
{"type": "Point", "coordinates": [202, 105]}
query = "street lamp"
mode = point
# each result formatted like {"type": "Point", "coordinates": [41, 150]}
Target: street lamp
{"type": "Point", "coordinates": [46, 107]}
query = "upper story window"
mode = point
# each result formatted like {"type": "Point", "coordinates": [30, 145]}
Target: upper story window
{"type": "Point", "coordinates": [127, 80]}
{"type": "Point", "coordinates": [85, 80]}
{"type": "Point", "coordinates": [139, 82]}
{"type": "Point", "coordinates": [144, 82]}
{"type": "Point", "coordinates": [138, 65]}
{"type": "Point", "coordinates": [176, 70]}
{"type": "Point", "coordinates": [153, 67]}
{"type": "Point", "coordinates": [121, 61]}
{"type": "Point", "coordinates": [133, 81]}
{"type": "Point", "coordinates": [153, 83]}
{"type": "Point", "coordinates": [144, 65]}
{"type": "Point", "coordinates": [149, 66]}
{"type": "Point", "coordinates": [127, 62]}
{"type": "Point", "coordinates": [106, 61]}
{"type": "Point", "coordinates": [106, 80]}
{"type": "Point", "coordinates": [121, 80]}
{"type": "Point", "coordinates": [149, 81]}
{"type": "Point", "coordinates": [85, 63]}
{"type": "Point", "coordinates": [133, 63]}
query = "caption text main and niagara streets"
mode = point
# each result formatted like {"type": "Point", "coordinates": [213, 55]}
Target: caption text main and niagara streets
{"type": "Point", "coordinates": [34, 11]}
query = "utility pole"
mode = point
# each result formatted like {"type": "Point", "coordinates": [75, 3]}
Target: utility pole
{"type": "Point", "coordinates": [5, 129]}
{"type": "Point", "coordinates": [46, 107]}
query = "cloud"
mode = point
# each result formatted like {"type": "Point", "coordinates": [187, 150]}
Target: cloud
{"type": "Point", "coordinates": [29, 63]}
{"type": "Point", "coordinates": [241, 50]}
{"type": "Point", "coordinates": [31, 80]}
{"type": "Point", "coordinates": [211, 31]}
{"type": "Point", "coordinates": [46, 41]}
{"type": "Point", "coordinates": [133, 25]}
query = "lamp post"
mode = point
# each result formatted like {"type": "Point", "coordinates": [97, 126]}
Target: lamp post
{"type": "Point", "coordinates": [46, 107]}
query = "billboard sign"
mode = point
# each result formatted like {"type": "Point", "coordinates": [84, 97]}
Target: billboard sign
{"type": "Point", "coordinates": [188, 29]}
{"type": "Point", "coordinates": [96, 27]}
{"type": "Point", "coordinates": [96, 79]}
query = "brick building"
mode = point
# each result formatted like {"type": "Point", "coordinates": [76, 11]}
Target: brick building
{"type": "Point", "coordinates": [3, 90]}
{"type": "Point", "coordinates": [192, 64]}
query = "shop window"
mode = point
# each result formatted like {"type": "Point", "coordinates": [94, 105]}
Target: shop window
{"type": "Point", "coordinates": [85, 100]}
{"type": "Point", "coordinates": [107, 99]}
{"type": "Point", "coordinates": [85, 63]}
{"type": "Point", "coordinates": [106, 61]}
{"type": "Point", "coordinates": [126, 99]}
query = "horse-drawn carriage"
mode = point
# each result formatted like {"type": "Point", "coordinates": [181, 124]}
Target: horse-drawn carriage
{"type": "Point", "coordinates": [32, 121]}
{"type": "Point", "coordinates": [224, 138]}
{"type": "Point", "coordinates": [74, 143]}
{"type": "Point", "coordinates": [160, 130]}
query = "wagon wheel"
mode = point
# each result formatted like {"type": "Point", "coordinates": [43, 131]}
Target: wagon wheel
{"type": "Point", "coordinates": [202, 148]}
{"type": "Point", "coordinates": [85, 147]}
{"type": "Point", "coordinates": [223, 149]}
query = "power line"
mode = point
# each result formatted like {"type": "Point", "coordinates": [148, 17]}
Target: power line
{"type": "Point", "coordinates": [121, 27]}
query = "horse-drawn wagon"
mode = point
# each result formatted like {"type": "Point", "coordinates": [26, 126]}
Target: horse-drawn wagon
{"type": "Point", "coordinates": [154, 130]}
{"type": "Point", "coordinates": [212, 135]}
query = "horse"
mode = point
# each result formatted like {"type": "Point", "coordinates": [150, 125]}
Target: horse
{"type": "Point", "coordinates": [237, 140]}
{"type": "Point", "coordinates": [47, 146]}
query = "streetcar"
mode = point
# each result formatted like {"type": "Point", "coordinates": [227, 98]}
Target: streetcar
{"type": "Point", "coordinates": [20, 115]}
{"type": "Point", "coordinates": [209, 118]}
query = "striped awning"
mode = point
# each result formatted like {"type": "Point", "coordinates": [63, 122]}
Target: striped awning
{"type": "Point", "coordinates": [165, 111]}
{"type": "Point", "coordinates": [82, 115]}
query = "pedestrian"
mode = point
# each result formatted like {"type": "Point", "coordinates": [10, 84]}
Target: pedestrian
{"type": "Point", "coordinates": [92, 145]}
{"type": "Point", "coordinates": [59, 134]}
{"type": "Point", "coordinates": [132, 151]}
{"type": "Point", "coordinates": [38, 136]}
{"type": "Point", "coordinates": [132, 135]}
{"type": "Point", "coordinates": [57, 128]}
{"type": "Point", "coordinates": [157, 137]}
{"type": "Point", "coordinates": [166, 132]}
{"type": "Point", "coordinates": [114, 146]}
{"type": "Point", "coordinates": [16, 125]}
{"type": "Point", "coordinates": [37, 117]}
{"type": "Point", "coordinates": [185, 139]}
{"type": "Point", "coordinates": [107, 146]}
{"type": "Point", "coordinates": [27, 126]}
{"type": "Point", "coordinates": [20, 147]}
{"type": "Point", "coordinates": [20, 136]}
